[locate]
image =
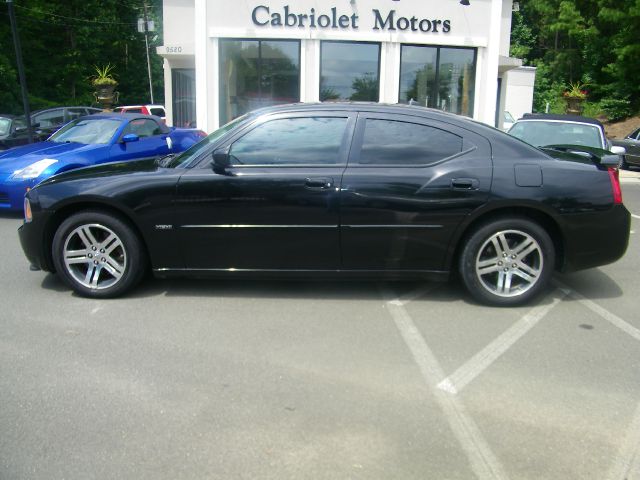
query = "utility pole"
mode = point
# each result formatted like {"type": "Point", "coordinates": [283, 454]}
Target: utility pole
{"type": "Point", "coordinates": [23, 81]}
{"type": "Point", "coordinates": [146, 42]}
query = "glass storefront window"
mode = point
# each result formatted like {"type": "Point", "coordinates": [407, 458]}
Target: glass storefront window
{"type": "Point", "coordinates": [183, 82]}
{"type": "Point", "coordinates": [439, 77]}
{"type": "Point", "coordinates": [257, 73]}
{"type": "Point", "coordinates": [350, 71]}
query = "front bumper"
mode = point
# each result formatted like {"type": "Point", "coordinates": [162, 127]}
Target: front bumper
{"type": "Point", "coordinates": [12, 193]}
{"type": "Point", "coordinates": [34, 243]}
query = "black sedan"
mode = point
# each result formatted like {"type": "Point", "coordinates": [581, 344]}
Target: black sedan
{"type": "Point", "coordinates": [13, 131]}
{"type": "Point", "coordinates": [362, 190]}
{"type": "Point", "coordinates": [631, 144]}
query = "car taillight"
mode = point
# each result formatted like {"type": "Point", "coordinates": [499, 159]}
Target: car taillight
{"type": "Point", "coordinates": [614, 176]}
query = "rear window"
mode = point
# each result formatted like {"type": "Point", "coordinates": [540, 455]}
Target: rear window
{"type": "Point", "coordinates": [158, 112]}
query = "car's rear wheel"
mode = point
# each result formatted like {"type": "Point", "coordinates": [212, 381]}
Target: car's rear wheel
{"type": "Point", "coordinates": [98, 254]}
{"type": "Point", "coordinates": [624, 165]}
{"type": "Point", "coordinates": [507, 261]}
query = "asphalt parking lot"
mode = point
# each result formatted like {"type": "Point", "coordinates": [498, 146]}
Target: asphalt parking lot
{"type": "Point", "coordinates": [320, 380]}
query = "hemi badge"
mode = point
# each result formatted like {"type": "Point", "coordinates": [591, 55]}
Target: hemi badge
{"type": "Point", "coordinates": [164, 227]}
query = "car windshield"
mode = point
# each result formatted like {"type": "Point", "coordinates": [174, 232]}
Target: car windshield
{"type": "Point", "coordinates": [5, 124]}
{"type": "Point", "coordinates": [542, 133]}
{"type": "Point", "coordinates": [194, 152]}
{"type": "Point", "coordinates": [87, 131]}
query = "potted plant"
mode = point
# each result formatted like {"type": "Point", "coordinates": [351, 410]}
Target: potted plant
{"type": "Point", "coordinates": [575, 96]}
{"type": "Point", "coordinates": [105, 83]}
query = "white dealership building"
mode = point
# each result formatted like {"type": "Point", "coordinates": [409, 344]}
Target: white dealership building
{"type": "Point", "coordinates": [224, 58]}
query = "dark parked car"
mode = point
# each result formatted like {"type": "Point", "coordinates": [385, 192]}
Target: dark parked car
{"type": "Point", "coordinates": [362, 190]}
{"type": "Point", "coordinates": [47, 122]}
{"type": "Point", "coordinates": [631, 144]}
{"type": "Point", "coordinates": [13, 131]}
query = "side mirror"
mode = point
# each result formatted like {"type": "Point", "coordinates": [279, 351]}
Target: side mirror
{"type": "Point", "coordinates": [221, 161]}
{"type": "Point", "coordinates": [130, 137]}
{"type": "Point", "coordinates": [617, 150]}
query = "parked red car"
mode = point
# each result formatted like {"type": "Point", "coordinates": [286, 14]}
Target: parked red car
{"type": "Point", "coordinates": [157, 110]}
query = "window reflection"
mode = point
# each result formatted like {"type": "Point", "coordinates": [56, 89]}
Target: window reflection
{"type": "Point", "coordinates": [290, 141]}
{"type": "Point", "coordinates": [257, 73]}
{"type": "Point", "coordinates": [388, 142]}
{"type": "Point", "coordinates": [438, 77]}
{"type": "Point", "coordinates": [349, 71]}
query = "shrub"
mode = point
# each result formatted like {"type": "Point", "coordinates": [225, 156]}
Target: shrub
{"type": "Point", "coordinates": [616, 108]}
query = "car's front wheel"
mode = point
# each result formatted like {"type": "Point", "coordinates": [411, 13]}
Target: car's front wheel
{"type": "Point", "coordinates": [98, 254]}
{"type": "Point", "coordinates": [507, 261]}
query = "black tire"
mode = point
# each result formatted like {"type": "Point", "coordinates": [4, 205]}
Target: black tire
{"type": "Point", "coordinates": [102, 248]}
{"type": "Point", "coordinates": [487, 280]}
{"type": "Point", "coordinates": [623, 164]}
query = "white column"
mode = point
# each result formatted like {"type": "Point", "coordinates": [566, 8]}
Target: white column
{"type": "Point", "coordinates": [390, 72]}
{"type": "Point", "coordinates": [312, 69]}
{"type": "Point", "coordinates": [168, 92]}
{"type": "Point", "coordinates": [201, 41]}
{"type": "Point", "coordinates": [489, 84]}
{"type": "Point", "coordinates": [213, 84]}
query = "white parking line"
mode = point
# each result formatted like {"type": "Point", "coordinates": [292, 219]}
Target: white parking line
{"type": "Point", "coordinates": [414, 295]}
{"type": "Point", "coordinates": [603, 312]}
{"type": "Point", "coordinates": [464, 375]}
{"type": "Point", "coordinates": [627, 463]}
{"type": "Point", "coordinates": [635, 216]}
{"type": "Point", "coordinates": [483, 461]}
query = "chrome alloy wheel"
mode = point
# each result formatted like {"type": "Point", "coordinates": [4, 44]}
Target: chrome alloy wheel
{"type": "Point", "coordinates": [95, 256]}
{"type": "Point", "coordinates": [509, 263]}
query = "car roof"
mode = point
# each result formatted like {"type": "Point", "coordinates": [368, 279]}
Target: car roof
{"type": "Point", "coordinates": [63, 106]}
{"type": "Point", "coordinates": [121, 116]}
{"type": "Point", "coordinates": [348, 106]}
{"type": "Point", "coordinates": [563, 118]}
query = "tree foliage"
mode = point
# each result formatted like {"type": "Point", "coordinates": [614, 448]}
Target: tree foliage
{"type": "Point", "coordinates": [593, 41]}
{"type": "Point", "coordinates": [63, 40]}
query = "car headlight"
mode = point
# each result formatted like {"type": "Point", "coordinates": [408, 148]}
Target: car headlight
{"type": "Point", "coordinates": [34, 170]}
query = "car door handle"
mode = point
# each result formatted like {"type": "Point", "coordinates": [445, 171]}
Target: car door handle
{"type": "Point", "coordinates": [465, 183]}
{"type": "Point", "coordinates": [318, 183]}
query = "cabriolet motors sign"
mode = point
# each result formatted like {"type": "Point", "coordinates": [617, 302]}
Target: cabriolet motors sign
{"type": "Point", "coordinates": [264, 16]}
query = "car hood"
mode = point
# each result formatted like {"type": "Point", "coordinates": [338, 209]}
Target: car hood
{"type": "Point", "coordinates": [21, 157]}
{"type": "Point", "coordinates": [105, 170]}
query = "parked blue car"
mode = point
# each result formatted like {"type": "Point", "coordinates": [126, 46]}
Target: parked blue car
{"type": "Point", "coordinates": [89, 140]}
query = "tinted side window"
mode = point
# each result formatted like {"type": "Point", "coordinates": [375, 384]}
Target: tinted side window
{"type": "Point", "coordinates": [50, 119]}
{"type": "Point", "coordinates": [403, 143]}
{"type": "Point", "coordinates": [291, 141]}
{"type": "Point", "coordinates": [73, 113]}
{"type": "Point", "coordinates": [142, 128]}
{"type": "Point", "coordinates": [18, 123]}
